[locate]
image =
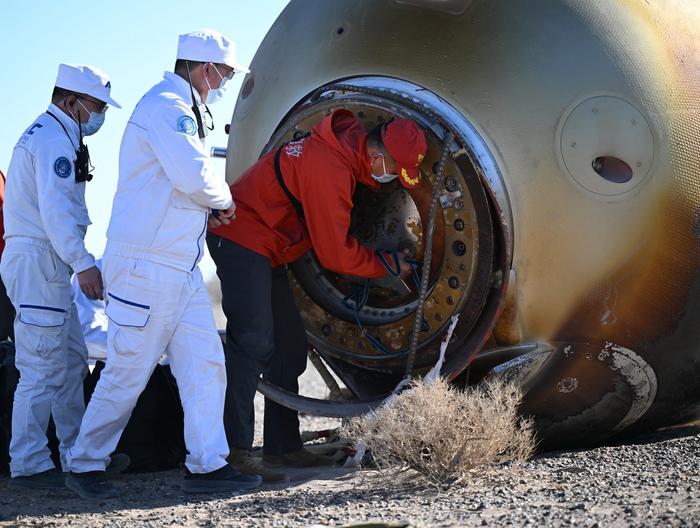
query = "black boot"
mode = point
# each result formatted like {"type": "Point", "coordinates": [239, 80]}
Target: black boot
{"type": "Point", "coordinates": [52, 478]}
{"type": "Point", "coordinates": [222, 480]}
{"type": "Point", "coordinates": [91, 485]}
{"type": "Point", "coordinates": [118, 463]}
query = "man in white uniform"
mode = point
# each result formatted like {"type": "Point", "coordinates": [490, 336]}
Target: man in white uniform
{"type": "Point", "coordinates": [156, 298]}
{"type": "Point", "coordinates": [45, 221]}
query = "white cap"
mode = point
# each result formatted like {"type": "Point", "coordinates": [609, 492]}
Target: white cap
{"type": "Point", "coordinates": [208, 45]}
{"type": "Point", "coordinates": [85, 79]}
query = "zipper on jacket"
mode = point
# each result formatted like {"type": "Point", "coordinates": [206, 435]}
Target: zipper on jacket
{"type": "Point", "coordinates": [199, 239]}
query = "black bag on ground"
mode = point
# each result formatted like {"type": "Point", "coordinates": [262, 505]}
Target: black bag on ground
{"type": "Point", "coordinates": [154, 436]}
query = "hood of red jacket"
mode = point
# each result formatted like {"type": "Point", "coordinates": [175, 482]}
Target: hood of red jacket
{"type": "Point", "coordinates": [344, 133]}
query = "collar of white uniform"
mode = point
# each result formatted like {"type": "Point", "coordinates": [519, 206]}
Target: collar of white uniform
{"type": "Point", "coordinates": [182, 87]}
{"type": "Point", "coordinates": [68, 122]}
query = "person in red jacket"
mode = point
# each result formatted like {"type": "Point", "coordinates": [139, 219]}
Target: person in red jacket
{"type": "Point", "coordinates": [7, 311]}
{"type": "Point", "coordinates": [280, 215]}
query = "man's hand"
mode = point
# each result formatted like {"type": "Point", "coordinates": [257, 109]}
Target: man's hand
{"type": "Point", "coordinates": [90, 281]}
{"type": "Point", "coordinates": [219, 217]}
{"type": "Point", "coordinates": [405, 267]}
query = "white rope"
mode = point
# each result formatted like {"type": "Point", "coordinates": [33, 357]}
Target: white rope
{"type": "Point", "coordinates": [431, 377]}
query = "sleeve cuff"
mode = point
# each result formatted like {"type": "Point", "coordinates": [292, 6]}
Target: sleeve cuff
{"type": "Point", "coordinates": [88, 261]}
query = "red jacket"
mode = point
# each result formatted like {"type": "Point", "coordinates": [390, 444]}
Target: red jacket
{"type": "Point", "coordinates": [2, 200]}
{"type": "Point", "coordinates": [321, 171]}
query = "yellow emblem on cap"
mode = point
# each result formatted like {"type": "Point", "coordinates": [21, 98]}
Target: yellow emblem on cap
{"type": "Point", "coordinates": [408, 180]}
{"type": "Point", "coordinates": [420, 157]}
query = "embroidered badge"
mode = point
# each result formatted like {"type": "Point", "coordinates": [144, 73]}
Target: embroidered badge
{"type": "Point", "coordinates": [62, 167]}
{"type": "Point", "coordinates": [186, 125]}
{"type": "Point", "coordinates": [295, 148]}
{"type": "Point", "coordinates": [410, 181]}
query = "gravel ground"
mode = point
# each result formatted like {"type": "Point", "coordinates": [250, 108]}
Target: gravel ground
{"type": "Point", "coordinates": [654, 480]}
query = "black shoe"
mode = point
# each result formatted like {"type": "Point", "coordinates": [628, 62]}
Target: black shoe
{"type": "Point", "coordinates": [91, 485]}
{"type": "Point", "coordinates": [224, 479]}
{"type": "Point", "coordinates": [118, 463]}
{"type": "Point", "coordinates": [49, 479]}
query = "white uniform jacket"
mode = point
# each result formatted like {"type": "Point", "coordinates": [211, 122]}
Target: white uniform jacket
{"type": "Point", "coordinates": [42, 199]}
{"type": "Point", "coordinates": [167, 181]}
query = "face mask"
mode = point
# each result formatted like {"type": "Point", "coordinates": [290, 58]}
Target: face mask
{"type": "Point", "coordinates": [94, 122]}
{"type": "Point", "coordinates": [215, 94]}
{"type": "Point", "coordinates": [384, 178]}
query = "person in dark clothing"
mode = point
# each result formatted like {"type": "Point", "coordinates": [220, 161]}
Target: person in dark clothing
{"type": "Point", "coordinates": [292, 200]}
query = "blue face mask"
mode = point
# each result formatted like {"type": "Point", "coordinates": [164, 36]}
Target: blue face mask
{"type": "Point", "coordinates": [215, 94]}
{"type": "Point", "coordinates": [94, 122]}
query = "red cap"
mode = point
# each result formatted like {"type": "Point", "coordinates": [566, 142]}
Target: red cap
{"type": "Point", "coordinates": [405, 141]}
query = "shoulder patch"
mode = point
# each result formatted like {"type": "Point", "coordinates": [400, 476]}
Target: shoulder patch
{"type": "Point", "coordinates": [186, 125]}
{"type": "Point", "coordinates": [62, 167]}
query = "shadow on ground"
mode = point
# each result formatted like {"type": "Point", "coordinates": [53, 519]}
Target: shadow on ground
{"type": "Point", "coordinates": [139, 492]}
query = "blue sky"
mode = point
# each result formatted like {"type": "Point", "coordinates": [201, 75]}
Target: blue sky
{"type": "Point", "coordinates": [134, 41]}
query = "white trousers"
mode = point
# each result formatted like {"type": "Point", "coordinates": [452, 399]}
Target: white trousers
{"type": "Point", "coordinates": [50, 354]}
{"type": "Point", "coordinates": [152, 308]}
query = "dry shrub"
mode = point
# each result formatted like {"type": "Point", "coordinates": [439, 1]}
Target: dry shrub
{"type": "Point", "coordinates": [443, 433]}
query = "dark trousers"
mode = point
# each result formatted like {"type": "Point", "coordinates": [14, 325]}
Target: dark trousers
{"type": "Point", "coordinates": [7, 315]}
{"type": "Point", "coordinates": [264, 335]}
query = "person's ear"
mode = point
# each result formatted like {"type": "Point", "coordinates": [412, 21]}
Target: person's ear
{"type": "Point", "coordinates": [69, 102]}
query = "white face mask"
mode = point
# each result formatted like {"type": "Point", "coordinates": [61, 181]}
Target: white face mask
{"type": "Point", "coordinates": [384, 178]}
{"type": "Point", "coordinates": [94, 122]}
{"type": "Point", "coordinates": [215, 94]}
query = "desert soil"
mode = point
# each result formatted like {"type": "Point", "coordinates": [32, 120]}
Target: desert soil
{"type": "Point", "coordinates": [651, 480]}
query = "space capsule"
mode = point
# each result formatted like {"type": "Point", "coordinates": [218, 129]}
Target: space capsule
{"type": "Point", "coordinates": [567, 232]}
